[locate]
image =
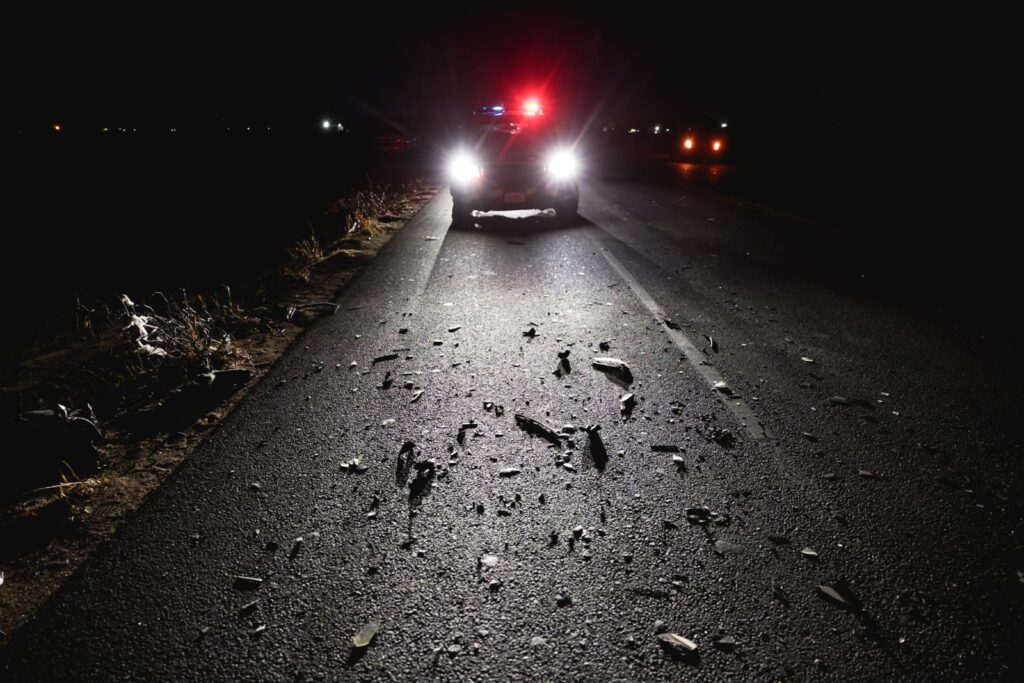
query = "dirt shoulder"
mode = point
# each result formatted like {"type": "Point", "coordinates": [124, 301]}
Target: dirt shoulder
{"type": "Point", "coordinates": [143, 382]}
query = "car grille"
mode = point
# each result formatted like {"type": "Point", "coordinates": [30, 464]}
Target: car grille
{"type": "Point", "coordinates": [512, 176]}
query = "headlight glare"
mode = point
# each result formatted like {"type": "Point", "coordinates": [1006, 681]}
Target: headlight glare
{"type": "Point", "coordinates": [562, 165]}
{"type": "Point", "coordinates": [463, 168]}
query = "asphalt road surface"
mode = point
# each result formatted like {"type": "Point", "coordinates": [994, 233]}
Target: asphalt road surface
{"type": "Point", "coordinates": [800, 426]}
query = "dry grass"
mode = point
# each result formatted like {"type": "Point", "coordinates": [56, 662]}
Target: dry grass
{"type": "Point", "coordinates": [305, 256]}
{"type": "Point", "coordinates": [353, 217]}
{"type": "Point", "coordinates": [187, 331]}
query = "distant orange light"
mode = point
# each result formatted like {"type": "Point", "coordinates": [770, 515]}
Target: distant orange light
{"type": "Point", "coordinates": [716, 145]}
{"type": "Point", "coordinates": [57, 128]}
{"type": "Point", "coordinates": [688, 143]}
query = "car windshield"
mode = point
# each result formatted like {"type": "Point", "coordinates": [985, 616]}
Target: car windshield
{"type": "Point", "coordinates": [510, 139]}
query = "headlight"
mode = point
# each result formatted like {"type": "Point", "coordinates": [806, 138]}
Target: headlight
{"type": "Point", "coordinates": [463, 168]}
{"type": "Point", "coordinates": [562, 165]}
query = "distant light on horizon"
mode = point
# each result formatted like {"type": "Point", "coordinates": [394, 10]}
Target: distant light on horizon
{"type": "Point", "coordinates": [57, 128]}
{"type": "Point", "coordinates": [724, 124]}
{"type": "Point", "coordinates": [326, 124]}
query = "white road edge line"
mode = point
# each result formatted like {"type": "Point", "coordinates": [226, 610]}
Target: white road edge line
{"type": "Point", "coordinates": [697, 359]}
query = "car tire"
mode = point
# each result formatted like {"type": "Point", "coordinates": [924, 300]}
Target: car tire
{"type": "Point", "coordinates": [566, 211]}
{"type": "Point", "coordinates": [462, 215]}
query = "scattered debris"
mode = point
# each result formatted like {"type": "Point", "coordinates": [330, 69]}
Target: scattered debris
{"type": "Point", "coordinates": [563, 599]}
{"type": "Point", "coordinates": [62, 439]}
{"type": "Point", "coordinates": [244, 583]}
{"type": "Point", "coordinates": [354, 465]}
{"type": "Point", "coordinates": [704, 516]}
{"type": "Point", "coordinates": [494, 585]}
{"type": "Point", "coordinates": [604, 346]}
{"type": "Point", "coordinates": [509, 472]}
{"type": "Point", "coordinates": [722, 436]}
{"type": "Point", "coordinates": [538, 428]}
{"type": "Point", "coordinates": [531, 333]}
{"type": "Point", "coordinates": [614, 367]}
{"type": "Point", "coordinates": [421, 481]}
{"type": "Point", "coordinates": [677, 643]}
{"type": "Point", "coordinates": [627, 402]}
{"type": "Point", "coordinates": [867, 474]}
{"type": "Point", "coordinates": [836, 597]}
{"type": "Point", "coordinates": [727, 548]}
{"type": "Point", "coordinates": [810, 437]}
{"type": "Point", "coordinates": [385, 357]}
{"type": "Point", "coordinates": [365, 635]}
{"type": "Point", "coordinates": [416, 396]}
{"type": "Point", "coordinates": [489, 560]}
{"type": "Point", "coordinates": [723, 388]}
{"type": "Point", "coordinates": [665, 448]}
{"type": "Point", "coordinates": [809, 553]}
{"type": "Point", "coordinates": [305, 313]}
{"type": "Point", "coordinates": [595, 447]}
{"type": "Point", "coordinates": [455, 328]}
{"type": "Point", "coordinates": [714, 344]}
{"type": "Point", "coordinates": [406, 457]}
{"type": "Point", "coordinates": [538, 641]}
{"type": "Point", "coordinates": [806, 359]}
{"type": "Point", "coordinates": [723, 642]}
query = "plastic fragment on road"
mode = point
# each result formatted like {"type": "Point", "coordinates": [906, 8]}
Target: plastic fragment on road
{"type": "Point", "coordinates": [809, 553]}
{"type": "Point", "coordinates": [835, 596]}
{"type": "Point", "coordinates": [385, 357]}
{"type": "Point", "coordinates": [609, 364]}
{"type": "Point", "coordinates": [626, 403]}
{"type": "Point", "coordinates": [677, 642]}
{"type": "Point", "coordinates": [538, 428]}
{"type": "Point", "coordinates": [243, 582]}
{"type": "Point", "coordinates": [723, 642]}
{"type": "Point", "coordinates": [416, 396]}
{"type": "Point", "coordinates": [509, 472]}
{"type": "Point", "coordinates": [366, 634]}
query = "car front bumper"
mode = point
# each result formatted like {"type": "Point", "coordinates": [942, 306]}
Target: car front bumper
{"type": "Point", "coordinates": [490, 198]}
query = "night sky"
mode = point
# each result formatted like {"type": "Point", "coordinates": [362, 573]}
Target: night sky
{"type": "Point", "coordinates": [829, 81]}
{"type": "Point", "coordinates": [827, 69]}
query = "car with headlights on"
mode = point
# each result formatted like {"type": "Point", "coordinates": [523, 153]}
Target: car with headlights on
{"type": "Point", "coordinates": [511, 158]}
{"type": "Point", "coordinates": [701, 140]}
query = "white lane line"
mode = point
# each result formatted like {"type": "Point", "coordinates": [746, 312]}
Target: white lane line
{"type": "Point", "coordinates": [697, 359]}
